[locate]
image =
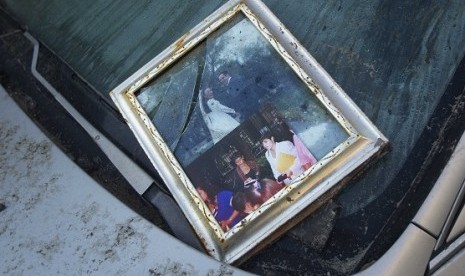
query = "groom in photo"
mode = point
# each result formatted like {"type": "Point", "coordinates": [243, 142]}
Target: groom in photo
{"type": "Point", "coordinates": [245, 95]}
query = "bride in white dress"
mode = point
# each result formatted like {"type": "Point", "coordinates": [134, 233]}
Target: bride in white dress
{"type": "Point", "coordinates": [217, 118]}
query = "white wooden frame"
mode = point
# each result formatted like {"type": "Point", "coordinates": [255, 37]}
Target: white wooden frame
{"type": "Point", "coordinates": [290, 204]}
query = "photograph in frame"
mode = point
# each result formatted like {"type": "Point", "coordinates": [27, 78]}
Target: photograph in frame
{"type": "Point", "coordinates": [245, 134]}
{"type": "Point", "coordinates": [239, 69]}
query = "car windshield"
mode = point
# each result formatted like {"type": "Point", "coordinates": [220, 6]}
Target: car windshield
{"type": "Point", "coordinates": [395, 59]}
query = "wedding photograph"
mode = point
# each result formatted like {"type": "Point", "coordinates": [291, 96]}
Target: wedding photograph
{"type": "Point", "coordinates": [225, 79]}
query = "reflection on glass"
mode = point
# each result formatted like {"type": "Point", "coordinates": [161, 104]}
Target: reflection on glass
{"type": "Point", "coordinates": [234, 121]}
{"type": "Point", "coordinates": [237, 71]}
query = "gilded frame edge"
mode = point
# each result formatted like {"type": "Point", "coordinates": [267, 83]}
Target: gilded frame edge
{"type": "Point", "coordinates": [367, 141]}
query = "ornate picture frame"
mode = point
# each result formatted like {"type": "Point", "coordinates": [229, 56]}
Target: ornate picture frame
{"type": "Point", "coordinates": [247, 130]}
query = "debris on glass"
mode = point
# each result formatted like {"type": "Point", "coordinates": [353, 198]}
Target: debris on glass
{"type": "Point", "coordinates": [245, 127]}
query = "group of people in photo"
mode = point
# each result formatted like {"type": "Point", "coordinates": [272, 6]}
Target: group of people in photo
{"type": "Point", "coordinates": [225, 103]}
{"type": "Point", "coordinates": [286, 159]}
